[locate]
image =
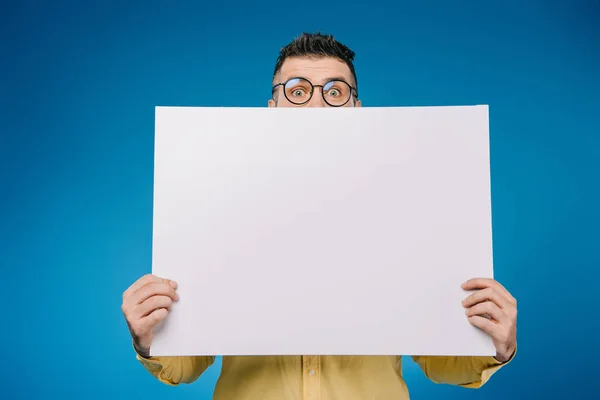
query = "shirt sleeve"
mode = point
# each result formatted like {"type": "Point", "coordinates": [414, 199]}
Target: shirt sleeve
{"type": "Point", "coordinates": [175, 370]}
{"type": "Point", "coordinates": [470, 372]}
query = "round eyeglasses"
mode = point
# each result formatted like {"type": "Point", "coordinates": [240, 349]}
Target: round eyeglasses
{"type": "Point", "coordinates": [299, 91]}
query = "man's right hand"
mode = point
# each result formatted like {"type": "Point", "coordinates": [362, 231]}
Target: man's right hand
{"type": "Point", "coordinates": [145, 304]}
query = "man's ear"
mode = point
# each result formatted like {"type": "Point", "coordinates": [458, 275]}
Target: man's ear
{"type": "Point", "coordinates": [272, 103]}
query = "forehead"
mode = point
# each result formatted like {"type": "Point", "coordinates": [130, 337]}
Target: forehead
{"type": "Point", "coordinates": [317, 70]}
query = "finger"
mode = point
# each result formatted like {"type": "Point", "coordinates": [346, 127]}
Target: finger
{"type": "Point", "coordinates": [151, 304]}
{"type": "Point", "coordinates": [155, 317]}
{"type": "Point", "coordinates": [489, 327]}
{"type": "Point", "coordinates": [483, 283]}
{"type": "Point", "coordinates": [478, 283]}
{"type": "Point", "coordinates": [486, 294]}
{"type": "Point", "coordinates": [143, 281]}
{"type": "Point", "coordinates": [153, 289]}
{"type": "Point", "coordinates": [487, 308]}
{"type": "Point", "coordinates": [144, 326]}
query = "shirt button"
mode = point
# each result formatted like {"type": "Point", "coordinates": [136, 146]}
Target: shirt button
{"type": "Point", "coordinates": [311, 372]}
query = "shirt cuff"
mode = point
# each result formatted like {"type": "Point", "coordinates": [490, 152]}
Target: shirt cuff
{"type": "Point", "coordinates": [488, 366]}
{"type": "Point", "coordinates": [151, 363]}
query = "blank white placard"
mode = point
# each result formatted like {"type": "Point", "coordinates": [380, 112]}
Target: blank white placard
{"type": "Point", "coordinates": [321, 231]}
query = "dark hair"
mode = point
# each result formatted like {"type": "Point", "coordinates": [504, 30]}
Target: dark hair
{"type": "Point", "coordinates": [317, 45]}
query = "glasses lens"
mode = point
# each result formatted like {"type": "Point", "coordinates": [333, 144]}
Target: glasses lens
{"type": "Point", "coordinates": [298, 90]}
{"type": "Point", "coordinates": [336, 93]}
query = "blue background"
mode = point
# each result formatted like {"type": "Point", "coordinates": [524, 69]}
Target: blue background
{"type": "Point", "coordinates": [78, 86]}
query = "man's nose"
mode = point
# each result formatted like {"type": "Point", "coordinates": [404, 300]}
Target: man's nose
{"type": "Point", "coordinates": [316, 99]}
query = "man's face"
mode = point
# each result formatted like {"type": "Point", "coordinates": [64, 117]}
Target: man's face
{"type": "Point", "coordinates": [319, 71]}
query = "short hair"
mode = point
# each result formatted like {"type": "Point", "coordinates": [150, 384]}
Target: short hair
{"type": "Point", "coordinates": [317, 45]}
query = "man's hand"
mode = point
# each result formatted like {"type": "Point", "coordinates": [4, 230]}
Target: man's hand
{"type": "Point", "coordinates": [145, 304]}
{"type": "Point", "coordinates": [493, 310]}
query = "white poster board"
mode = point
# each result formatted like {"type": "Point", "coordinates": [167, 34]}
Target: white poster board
{"type": "Point", "coordinates": [321, 231]}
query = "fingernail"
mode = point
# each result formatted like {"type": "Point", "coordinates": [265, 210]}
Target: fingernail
{"type": "Point", "coordinates": [176, 296]}
{"type": "Point", "coordinates": [173, 284]}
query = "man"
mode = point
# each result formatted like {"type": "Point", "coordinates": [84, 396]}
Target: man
{"type": "Point", "coordinates": [317, 71]}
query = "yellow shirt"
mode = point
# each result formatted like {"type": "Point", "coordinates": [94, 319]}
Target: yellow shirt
{"type": "Point", "coordinates": [319, 377]}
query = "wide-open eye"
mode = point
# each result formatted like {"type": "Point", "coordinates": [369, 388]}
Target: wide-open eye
{"type": "Point", "coordinates": [334, 93]}
{"type": "Point", "coordinates": [298, 90]}
{"type": "Point", "coordinates": [337, 92]}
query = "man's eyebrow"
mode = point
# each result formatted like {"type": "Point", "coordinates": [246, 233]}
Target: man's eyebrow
{"type": "Point", "coordinates": [294, 77]}
{"type": "Point", "coordinates": [338, 78]}
{"type": "Point", "coordinates": [335, 78]}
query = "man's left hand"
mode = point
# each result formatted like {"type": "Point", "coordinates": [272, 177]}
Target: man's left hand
{"type": "Point", "coordinates": [493, 310]}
